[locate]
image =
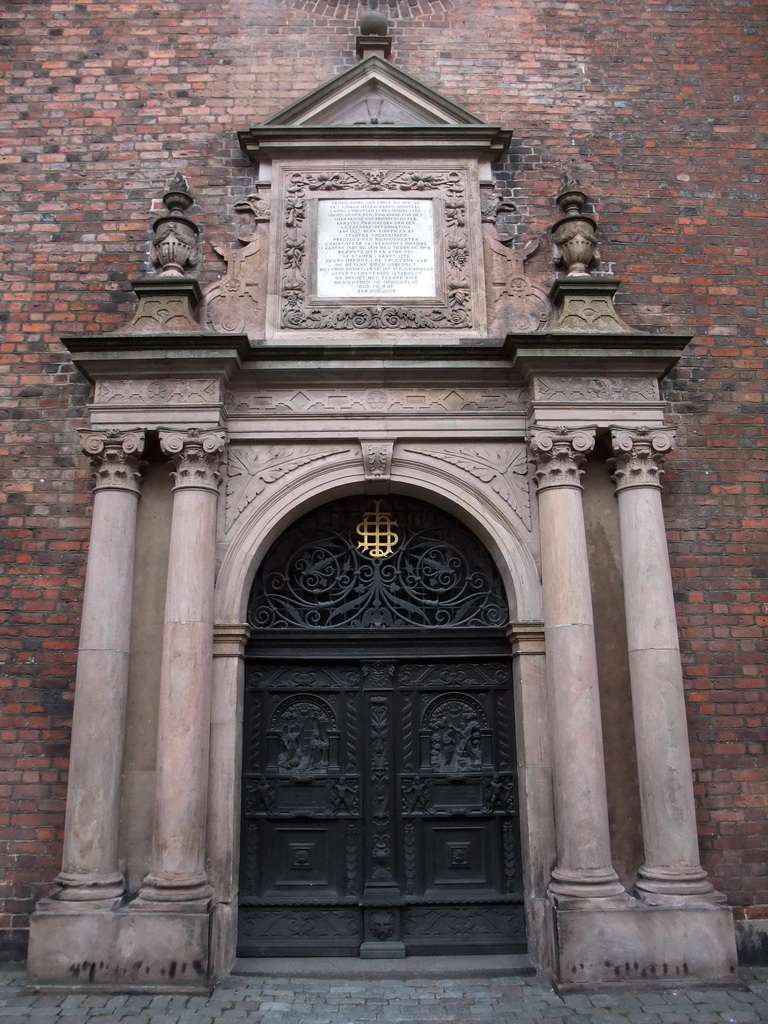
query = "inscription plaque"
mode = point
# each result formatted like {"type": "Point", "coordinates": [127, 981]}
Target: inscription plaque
{"type": "Point", "coordinates": [371, 248]}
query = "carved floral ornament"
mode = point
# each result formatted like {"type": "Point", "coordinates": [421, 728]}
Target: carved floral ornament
{"type": "Point", "coordinates": [558, 456]}
{"type": "Point", "coordinates": [115, 456]}
{"type": "Point", "coordinates": [639, 456]}
{"type": "Point", "coordinates": [197, 456]}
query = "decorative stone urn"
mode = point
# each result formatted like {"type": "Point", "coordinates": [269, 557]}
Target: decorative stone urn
{"type": "Point", "coordinates": [174, 241]}
{"type": "Point", "coordinates": [574, 234]}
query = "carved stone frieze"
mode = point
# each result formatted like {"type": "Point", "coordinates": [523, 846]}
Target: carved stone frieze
{"type": "Point", "coordinates": [454, 310]}
{"type": "Point", "coordinates": [311, 401]}
{"type": "Point", "coordinates": [157, 392]}
{"type": "Point", "coordinates": [595, 389]}
{"type": "Point", "coordinates": [197, 456]}
{"type": "Point", "coordinates": [236, 303]}
{"type": "Point", "coordinates": [251, 469]}
{"type": "Point", "coordinates": [558, 456]}
{"type": "Point", "coordinates": [639, 456]}
{"type": "Point", "coordinates": [502, 466]}
{"type": "Point", "coordinates": [115, 456]}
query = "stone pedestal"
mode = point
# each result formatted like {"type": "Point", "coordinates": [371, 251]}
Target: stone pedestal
{"type": "Point", "coordinates": [581, 809]}
{"type": "Point", "coordinates": [90, 871]}
{"type": "Point", "coordinates": [671, 867]}
{"type": "Point", "coordinates": [178, 877]}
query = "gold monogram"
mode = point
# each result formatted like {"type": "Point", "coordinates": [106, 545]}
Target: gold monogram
{"type": "Point", "coordinates": [377, 532]}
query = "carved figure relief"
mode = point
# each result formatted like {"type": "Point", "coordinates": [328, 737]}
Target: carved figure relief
{"type": "Point", "coordinates": [299, 312]}
{"type": "Point", "coordinates": [454, 728]}
{"type": "Point", "coordinates": [236, 303]}
{"type": "Point", "coordinates": [304, 728]}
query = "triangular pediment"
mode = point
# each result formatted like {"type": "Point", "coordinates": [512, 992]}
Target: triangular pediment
{"type": "Point", "coordinates": [377, 94]}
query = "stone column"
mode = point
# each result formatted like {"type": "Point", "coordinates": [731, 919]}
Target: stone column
{"type": "Point", "coordinates": [671, 864]}
{"type": "Point", "coordinates": [90, 862]}
{"type": "Point", "coordinates": [178, 873]}
{"type": "Point", "coordinates": [581, 809]}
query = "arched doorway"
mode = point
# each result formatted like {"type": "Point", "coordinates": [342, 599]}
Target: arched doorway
{"type": "Point", "coordinates": [379, 809]}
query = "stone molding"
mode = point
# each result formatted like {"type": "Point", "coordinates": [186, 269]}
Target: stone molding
{"type": "Point", "coordinates": [197, 456]}
{"type": "Point", "coordinates": [230, 638]}
{"type": "Point", "coordinates": [167, 305]}
{"type": "Point", "coordinates": [595, 389]}
{"type": "Point", "coordinates": [639, 456]}
{"type": "Point", "coordinates": [503, 467]}
{"type": "Point", "coordinates": [526, 638]}
{"type": "Point", "coordinates": [558, 456]}
{"type": "Point", "coordinates": [252, 468]}
{"type": "Point", "coordinates": [115, 457]}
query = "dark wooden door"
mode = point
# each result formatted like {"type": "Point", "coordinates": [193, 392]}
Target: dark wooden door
{"type": "Point", "coordinates": [380, 805]}
{"type": "Point", "coordinates": [379, 811]}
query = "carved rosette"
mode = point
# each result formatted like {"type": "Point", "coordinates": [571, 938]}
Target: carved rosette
{"type": "Point", "coordinates": [115, 456]}
{"type": "Point", "coordinates": [639, 456]}
{"type": "Point", "coordinates": [558, 456]}
{"type": "Point", "coordinates": [296, 310]}
{"type": "Point", "coordinates": [197, 456]}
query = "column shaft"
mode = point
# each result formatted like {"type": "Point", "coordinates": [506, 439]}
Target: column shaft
{"type": "Point", "coordinates": [581, 807]}
{"type": "Point", "coordinates": [178, 869]}
{"type": "Point", "coordinates": [672, 865]}
{"type": "Point", "coordinates": [90, 860]}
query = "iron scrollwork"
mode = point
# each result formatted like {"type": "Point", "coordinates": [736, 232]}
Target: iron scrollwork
{"type": "Point", "coordinates": [439, 575]}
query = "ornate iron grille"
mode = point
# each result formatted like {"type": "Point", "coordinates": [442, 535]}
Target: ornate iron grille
{"type": "Point", "coordinates": [438, 575]}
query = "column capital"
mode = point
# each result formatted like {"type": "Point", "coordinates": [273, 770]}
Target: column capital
{"type": "Point", "coordinates": [558, 454]}
{"type": "Point", "coordinates": [115, 456]}
{"type": "Point", "coordinates": [639, 455]}
{"type": "Point", "coordinates": [197, 456]}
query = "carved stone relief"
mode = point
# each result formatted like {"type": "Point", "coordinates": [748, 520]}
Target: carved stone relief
{"type": "Point", "coordinates": [237, 302]}
{"type": "Point", "coordinates": [311, 401]}
{"type": "Point", "coordinates": [595, 389]}
{"type": "Point", "coordinates": [451, 310]}
{"type": "Point", "coordinates": [503, 467]}
{"type": "Point", "coordinates": [515, 304]}
{"type": "Point", "coordinates": [252, 469]}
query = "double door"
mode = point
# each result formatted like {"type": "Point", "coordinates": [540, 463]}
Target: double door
{"type": "Point", "coordinates": [379, 810]}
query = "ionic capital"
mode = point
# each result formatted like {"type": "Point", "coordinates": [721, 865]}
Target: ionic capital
{"type": "Point", "coordinates": [639, 456]}
{"type": "Point", "coordinates": [115, 456]}
{"type": "Point", "coordinates": [197, 456]}
{"type": "Point", "coordinates": [559, 454]}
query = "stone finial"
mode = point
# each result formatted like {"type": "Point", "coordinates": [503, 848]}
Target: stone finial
{"type": "Point", "coordinates": [373, 35]}
{"type": "Point", "coordinates": [174, 239]}
{"type": "Point", "coordinates": [574, 234]}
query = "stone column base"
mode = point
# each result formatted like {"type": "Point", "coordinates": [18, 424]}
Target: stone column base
{"type": "Point", "coordinates": [597, 945]}
{"type": "Point", "coordinates": [119, 950]}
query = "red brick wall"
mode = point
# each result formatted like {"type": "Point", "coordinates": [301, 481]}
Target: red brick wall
{"type": "Point", "coordinates": [658, 105]}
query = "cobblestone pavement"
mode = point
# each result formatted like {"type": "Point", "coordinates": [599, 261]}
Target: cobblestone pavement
{"type": "Point", "coordinates": [271, 1000]}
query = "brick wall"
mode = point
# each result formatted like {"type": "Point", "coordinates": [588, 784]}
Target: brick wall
{"type": "Point", "coordinates": [657, 104]}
